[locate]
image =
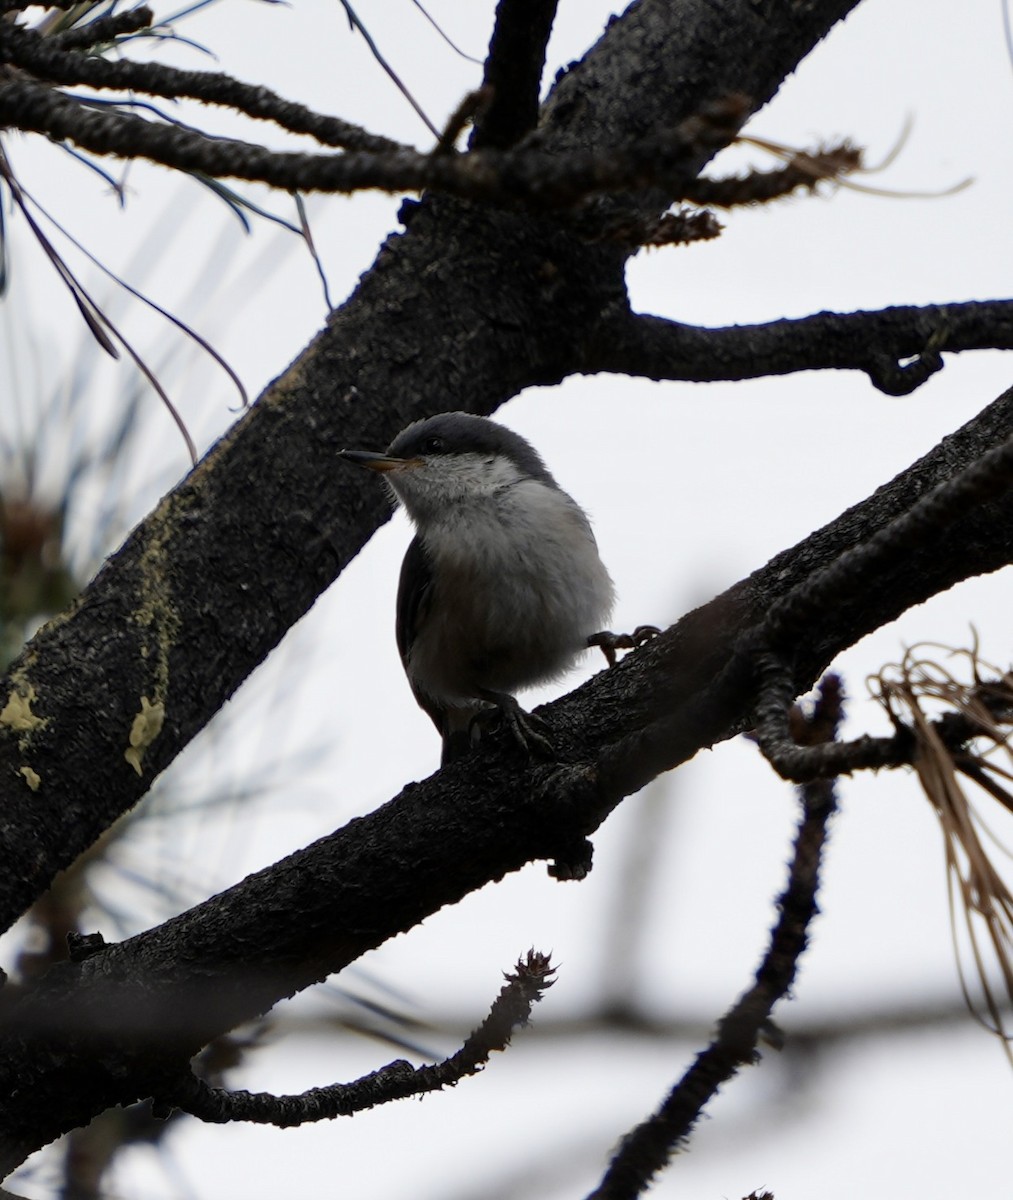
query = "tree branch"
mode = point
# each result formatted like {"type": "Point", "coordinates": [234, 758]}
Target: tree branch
{"type": "Point", "coordinates": [396, 1081]}
{"type": "Point", "coordinates": [209, 583]}
{"type": "Point", "coordinates": [50, 61]}
{"type": "Point", "coordinates": [877, 343]}
{"type": "Point", "coordinates": [512, 296]}
{"type": "Point", "coordinates": [521, 176]}
{"type": "Point", "coordinates": [17, 5]}
{"type": "Point", "coordinates": [513, 72]}
{"type": "Point", "coordinates": [854, 572]}
{"type": "Point", "coordinates": [804, 170]}
{"type": "Point", "coordinates": [118, 1025]}
{"type": "Point", "coordinates": [829, 611]}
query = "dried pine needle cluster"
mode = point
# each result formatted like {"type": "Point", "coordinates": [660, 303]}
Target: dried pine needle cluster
{"type": "Point", "coordinates": [963, 727]}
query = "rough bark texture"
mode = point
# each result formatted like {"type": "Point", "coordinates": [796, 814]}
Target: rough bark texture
{"type": "Point", "coordinates": [464, 310]}
{"type": "Point", "coordinates": [119, 1025]}
{"type": "Point", "coordinates": [898, 348]}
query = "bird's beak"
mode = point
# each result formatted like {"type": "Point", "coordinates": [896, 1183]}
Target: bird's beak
{"type": "Point", "coordinates": [376, 461]}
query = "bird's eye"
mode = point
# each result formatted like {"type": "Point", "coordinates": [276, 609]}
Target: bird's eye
{"type": "Point", "coordinates": [432, 445]}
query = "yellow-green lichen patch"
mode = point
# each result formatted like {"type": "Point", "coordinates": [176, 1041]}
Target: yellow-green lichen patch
{"type": "Point", "coordinates": [155, 609]}
{"type": "Point", "coordinates": [155, 612]}
{"type": "Point", "coordinates": [146, 726]}
{"type": "Point", "coordinates": [32, 778]}
{"type": "Point", "coordinates": [17, 713]}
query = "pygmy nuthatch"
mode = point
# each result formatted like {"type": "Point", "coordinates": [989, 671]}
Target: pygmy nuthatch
{"type": "Point", "coordinates": [501, 586]}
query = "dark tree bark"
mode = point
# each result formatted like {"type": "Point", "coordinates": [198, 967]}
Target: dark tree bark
{"type": "Point", "coordinates": [464, 310]}
{"type": "Point", "coordinates": [468, 307]}
{"type": "Point", "coordinates": [122, 1024]}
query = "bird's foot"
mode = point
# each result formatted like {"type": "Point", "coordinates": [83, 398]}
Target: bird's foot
{"type": "Point", "coordinates": [528, 731]}
{"type": "Point", "coordinates": [608, 642]}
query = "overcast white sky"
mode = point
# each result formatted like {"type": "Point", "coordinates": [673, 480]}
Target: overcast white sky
{"type": "Point", "coordinates": [690, 487]}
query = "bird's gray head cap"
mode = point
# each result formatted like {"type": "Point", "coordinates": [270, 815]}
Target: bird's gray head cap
{"type": "Point", "coordinates": [455, 433]}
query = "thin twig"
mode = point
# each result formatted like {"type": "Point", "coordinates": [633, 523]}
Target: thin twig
{"type": "Point", "coordinates": [804, 170]}
{"type": "Point", "coordinates": [510, 1010]}
{"type": "Point", "coordinates": [645, 1150]}
{"type": "Point", "coordinates": [27, 49]}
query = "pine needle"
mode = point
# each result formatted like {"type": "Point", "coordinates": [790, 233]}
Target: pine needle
{"type": "Point", "coordinates": [925, 695]}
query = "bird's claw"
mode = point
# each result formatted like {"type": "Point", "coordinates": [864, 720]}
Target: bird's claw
{"type": "Point", "coordinates": [608, 642]}
{"type": "Point", "coordinates": [528, 731]}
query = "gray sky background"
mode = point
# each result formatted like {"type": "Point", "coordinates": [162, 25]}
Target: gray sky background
{"type": "Point", "coordinates": [690, 487]}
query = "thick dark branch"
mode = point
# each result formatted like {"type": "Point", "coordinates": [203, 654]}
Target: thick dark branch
{"type": "Point", "coordinates": [825, 610]}
{"type": "Point", "coordinates": [853, 574]}
{"type": "Point", "coordinates": [646, 1150]}
{"type": "Point", "coordinates": [513, 72]}
{"type": "Point", "coordinates": [523, 176]}
{"type": "Point", "coordinates": [898, 348]}
{"type": "Point", "coordinates": [209, 583]}
{"type": "Point", "coordinates": [52, 62]}
{"type": "Point", "coordinates": [118, 1025]}
{"type": "Point", "coordinates": [510, 1011]}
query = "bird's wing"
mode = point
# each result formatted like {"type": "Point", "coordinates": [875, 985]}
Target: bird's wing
{"type": "Point", "coordinates": [414, 591]}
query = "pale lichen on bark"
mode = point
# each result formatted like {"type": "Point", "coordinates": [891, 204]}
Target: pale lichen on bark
{"type": "Point", "coordinates": [156, 613]}
{"type": "Point", "coordinates": [18, 717]}
{"type": "Point", "coordinates": [146, 726]}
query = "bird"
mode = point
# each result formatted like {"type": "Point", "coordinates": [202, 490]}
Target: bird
{"type": "Point", "coordinates": [502, 586]}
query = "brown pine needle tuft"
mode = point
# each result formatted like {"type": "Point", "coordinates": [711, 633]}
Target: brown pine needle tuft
{"type": "Point", "coordinates": [963, 729]}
